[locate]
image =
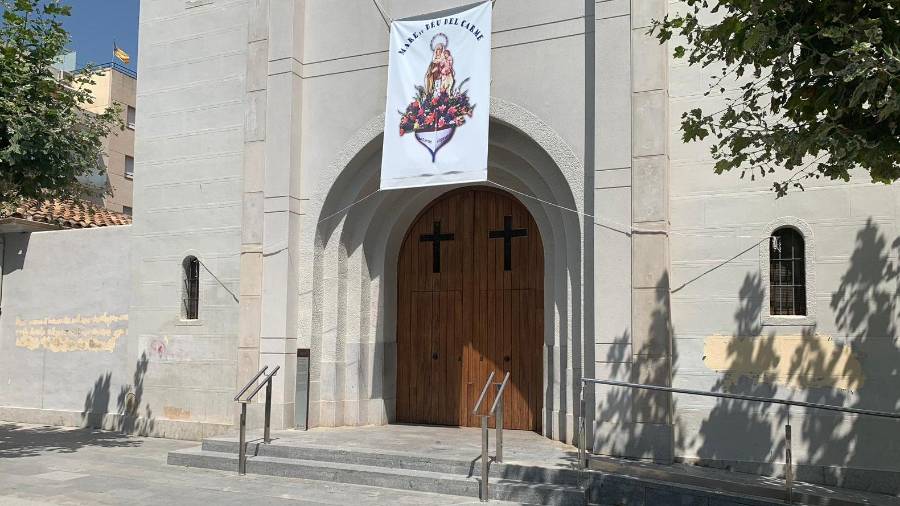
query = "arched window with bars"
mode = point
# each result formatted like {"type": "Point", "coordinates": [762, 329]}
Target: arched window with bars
{"type": "Point", "coordinates": [787, 273]}
{"type": "Point", "coordinates": [190, 298]}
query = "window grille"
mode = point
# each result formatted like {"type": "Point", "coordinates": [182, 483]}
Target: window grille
{"type": "Point", "coordinates": [190, 302]}
{"type": "Point", "coordinates": [787, 273]}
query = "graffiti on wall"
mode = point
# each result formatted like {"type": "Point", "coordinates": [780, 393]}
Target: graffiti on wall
{"type": "Point", "coordinates": [97, 333]}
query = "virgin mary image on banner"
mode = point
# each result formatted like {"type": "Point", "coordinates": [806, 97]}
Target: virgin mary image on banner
{"type": "Point", "coordinates": [438, 74]}
{"type": "Point", "coordinates": [438, 108]}
{"type": "Point", "coordinates": [441, 69]}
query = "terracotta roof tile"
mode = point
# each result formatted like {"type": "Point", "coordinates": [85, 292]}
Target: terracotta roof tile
{"type": "Point", "coordinates": [67, 214]}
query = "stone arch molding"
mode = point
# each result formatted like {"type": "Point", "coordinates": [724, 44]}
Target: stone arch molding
{"type": "Point", "coordinates": [350, 314]}
{"type": "Point", "coordinates": [502, 111]}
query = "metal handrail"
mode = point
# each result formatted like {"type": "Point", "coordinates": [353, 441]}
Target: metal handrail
{"type": "Point", "coordinates": [250, 383]}
{"type": "Point", "coordinates": [770, 400]}
{"type": "Point", "coordinates": [581, 441]}
{"type": "Point", "coordinates": [242, 442]}
{"type": "Point", "coordinates": [483, 393]}
{"type": "Point", "coordinates": [265, 381]}
{"type": "Point", "coordinates": [500, 393]}
{"type": "Point", "coordinates": [485, 436]}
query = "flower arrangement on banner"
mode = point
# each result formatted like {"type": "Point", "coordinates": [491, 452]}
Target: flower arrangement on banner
{"type": "Point", "coordinates": [438, 110]}
{"type": "Point", "coordinates": [440, 106]}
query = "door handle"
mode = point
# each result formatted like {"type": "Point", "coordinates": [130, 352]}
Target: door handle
{"type": "Point", "coordinates": [434, 356]}
{"type": "Point", "coordinates": [506, 358]}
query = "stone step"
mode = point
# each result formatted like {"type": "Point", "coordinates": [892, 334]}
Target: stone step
{"type": "Point", "coordinates": [604, 489]}
{"type": "Point", "coordinates": [395, 478]}
{"type": "Point", "coordinates": [396, 460]}
{"type": "Point", "coordinates": [738, 484]}
{"type": "Point", "coordinates": [445, 460]}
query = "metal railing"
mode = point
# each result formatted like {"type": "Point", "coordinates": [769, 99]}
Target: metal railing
{"type": "Point", "coordinates": [581, 441]}
{"type": "Point", "coordinates": [118, 67]}
{"type": "Point", "coordinates": [267, 382]}
{"type": "Point", "coordinates": [497, 412]}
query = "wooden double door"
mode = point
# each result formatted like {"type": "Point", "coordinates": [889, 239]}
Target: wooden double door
{"type": "Point", "coordinates": [470, 301]}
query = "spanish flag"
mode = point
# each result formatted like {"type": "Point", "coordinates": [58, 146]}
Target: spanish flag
{"type": "Point", "coordinates": [121, 54]}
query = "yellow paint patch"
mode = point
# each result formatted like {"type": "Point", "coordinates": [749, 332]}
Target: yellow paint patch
{"type": "Point", "coordinates": [173, 413]}
{"type": "Point", "coordinates": [795, 361]}
{"type": "Point", "coordinates": [71, 333]}
{"type": "Point", "coordinates": [100, 319]}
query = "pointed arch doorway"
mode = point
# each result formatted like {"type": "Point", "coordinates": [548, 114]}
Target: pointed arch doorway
{"type": "Point", "coordinates": [470, 301]}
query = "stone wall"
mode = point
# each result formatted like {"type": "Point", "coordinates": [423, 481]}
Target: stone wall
{"type": "Point", "coordinates": [697, 267]}
{"type": "Point", "coordinates": [259, 126]}
{"type": "Point", "coordinates": [64, 344]}
{"type": "Point", "coordinates": [539, 140]}
{"type": "Point", "coordinates": [256, 124]}
{"type": "Point", "coordinates": [844, 352]}
{"type": "Point", "coordinates": [187, 201]}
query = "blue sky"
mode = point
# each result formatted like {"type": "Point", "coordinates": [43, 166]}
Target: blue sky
{"type": "Point", "coordinates": [94, 24]}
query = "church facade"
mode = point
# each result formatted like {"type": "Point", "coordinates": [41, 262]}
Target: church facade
{"type": "Point", "coordinates": [602, 246]}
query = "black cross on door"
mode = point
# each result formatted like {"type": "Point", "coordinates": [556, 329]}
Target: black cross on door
{"type": "Point", "coordinates": [436, 237]}
{"type": "Point", "coordinates": [507, 235]}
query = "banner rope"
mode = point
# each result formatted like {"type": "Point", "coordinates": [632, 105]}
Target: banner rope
{"type": "Point", "coordinates": [388, 20]}
{"type": "Point", "coordinates": [348, 207]}
{"type": "Point", "coordinates": [384, 16]}
{"type": "Point", "coordinates": [621, 227]}
{"type": "Point", "coordinates": [610, 225]}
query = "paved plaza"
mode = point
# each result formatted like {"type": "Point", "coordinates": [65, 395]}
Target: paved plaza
{"type": "Point", "coordinates": [42, 465]}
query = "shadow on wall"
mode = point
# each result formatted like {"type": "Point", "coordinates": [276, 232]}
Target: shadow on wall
{"type": "Point", "coordinates": [127, 418]}
{"type": "Point", "coordinates": [748, 351]}
{"type": "Point", "coordinates": [641, 417]}
{"type": "Point", "coordinates": [14, 249]}
{"type": "Point", "coordinates": [853, 451]}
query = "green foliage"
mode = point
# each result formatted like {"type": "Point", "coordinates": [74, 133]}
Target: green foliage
{"type": "Point", "coordinates": [817, 88]}
{"type": "Point", "coordinates": [46, 139]}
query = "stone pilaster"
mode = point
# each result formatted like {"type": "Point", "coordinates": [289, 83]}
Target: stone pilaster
{"type": "Point", "coordinates": [272, 204]}
{"type": "Point", "coordinates": [612, 245]}
{"type": "Point", "coordinates": [632, 330]}
{"type": "Point", "coordinates": [253, 177]}
{"type": "Point", "coordinates": [651, 345]}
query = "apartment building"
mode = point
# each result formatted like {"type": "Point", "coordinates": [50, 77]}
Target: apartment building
{"type": "Point", "coordinates": [116, 84]}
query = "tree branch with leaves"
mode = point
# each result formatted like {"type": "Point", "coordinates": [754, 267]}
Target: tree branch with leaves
{"type": "Point", "coordinates": [816, 88]}
{"type": "Point", "coordinates": [47, 141]}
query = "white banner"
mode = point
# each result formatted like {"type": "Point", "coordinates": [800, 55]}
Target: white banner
{"type": "Point", "coordinates": [438, 99]}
